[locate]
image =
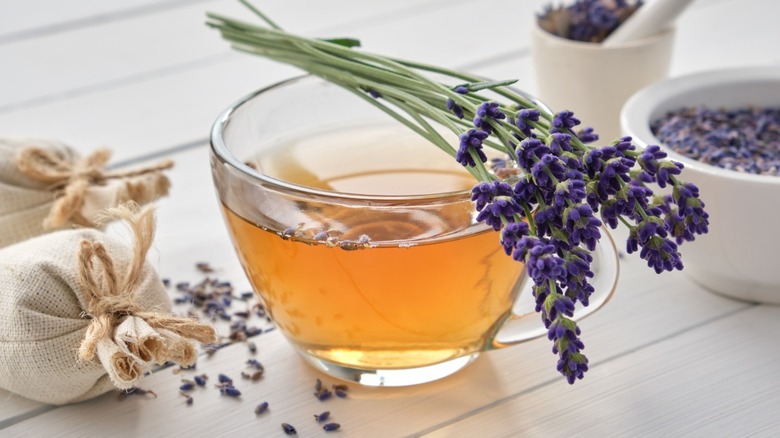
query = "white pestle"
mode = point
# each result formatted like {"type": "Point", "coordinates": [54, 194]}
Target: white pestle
{"type": "Point", "coordinates": [650, 19]}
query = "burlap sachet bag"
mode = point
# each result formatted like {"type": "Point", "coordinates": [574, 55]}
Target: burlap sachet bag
{"type": "Point", "coordinates": [46, 185]}
{"type": "Point", "coordinates": [82, 312]}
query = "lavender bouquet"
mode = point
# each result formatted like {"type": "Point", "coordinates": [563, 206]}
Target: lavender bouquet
{"type": "Point", "coordinates": [550, 195]}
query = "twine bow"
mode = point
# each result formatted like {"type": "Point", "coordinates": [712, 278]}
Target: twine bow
{"type": "Point", "coordinates": [71, 181]}
{"type": "Point", "coordinates": [110, 294]}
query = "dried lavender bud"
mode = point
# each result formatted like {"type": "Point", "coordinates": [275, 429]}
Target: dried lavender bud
{"type": "Point", "coordinates": [254, 363]}
{"type": "Point", "coordinates": [223, 378]}
{"type": "Point", "coordinates": [187, 385]}
{"type": "Point", "coordinates": [318, 385]}
{"type": "Point", "coordinates": [331, 427]}
{"type": "Point", "coordinates": [262, 407]}
{"type": "Point", "coordinates": [247, 295]}
{"type": "Point", "coordinates": [200, 380]}
{"type": "Point", "coordinates": [289, 429]}
{"type": "Point", "coordinates": [204, 267]}
{"type": "Point", "coordinates": [230, 391]}
{"type": "Point", "coordinates": [255, 376]}
{"type": "Point", "coordinates": [322, 417]}
{"type": "Point", "coordinates": [340, 393]}
{"type": "Point", "coordinates": [340, 387]}
{"type": "Point", "coordinates": [241, 314]}
{"type": "Point", "coordinates": [323, 394]}
{"type": "Point", "coordinates": [135, 391]}
{"type": "Point", "coordinates": [188, 398]}
{"type": "Point", "coordinates": [166, 282]}
{"type": "Point", "coordinates": [252, 347]}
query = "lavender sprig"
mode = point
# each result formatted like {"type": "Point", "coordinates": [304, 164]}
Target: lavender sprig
{"type": "Point", "coordinates": [560, 187]}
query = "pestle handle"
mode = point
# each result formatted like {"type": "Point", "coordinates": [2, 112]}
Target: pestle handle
{"type": "Point", "coordinates": [648, 20]}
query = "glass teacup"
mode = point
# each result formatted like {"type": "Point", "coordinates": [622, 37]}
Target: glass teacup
{"type": "Point", "coordinates": [360, 239]}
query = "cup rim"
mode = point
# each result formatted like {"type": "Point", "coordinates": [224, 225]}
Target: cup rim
{"type": "Point", "coordinates": [226, 157]}
{"type": "Point", "coordinates": [636, 115]}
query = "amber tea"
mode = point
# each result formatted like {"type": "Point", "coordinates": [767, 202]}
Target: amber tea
{"type": "Point", "coordinates": [392, 287]}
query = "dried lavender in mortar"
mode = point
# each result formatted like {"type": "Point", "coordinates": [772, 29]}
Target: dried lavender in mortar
{"type": "Point", "coordinates": [743, 139]}
{"type": "Point", "coordinates": [587, 20]}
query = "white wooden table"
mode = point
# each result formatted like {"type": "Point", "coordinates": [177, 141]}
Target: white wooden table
{"type": "Point", "coordinates": [147, 78]}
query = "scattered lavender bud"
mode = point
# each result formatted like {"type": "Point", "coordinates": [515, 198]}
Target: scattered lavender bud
{"type": "Point", "coordinates": [200, 380]}
{"type": "Point", "coordinates": [323, 394]}
{"type": "Point", "coordinates": [247, 295]}
{"type": "Point", "coordinates": [230, 391]}
{"type": "Point", "coordinates": [187, 385]}
{"type": "Point", "coordinates": [340, 393]}
{"type": "Point", "coordinates": [322, 417]}
{"type": "Point", "coordinates": [262, 407]}
{"type": "Point", "coordinates": [188, 398]}
{"type": "Point", "coordinates": [254, 376]}
{"type": "Point", "coordinates": [135, 391]}
{"type": "Point", "coordinates": [289, 429]}
{"type": "Point", "coordinates": [252, 347]}
{"type": "Point", "coordinates": [318, 385]}
{"type": "Point", "coordinates": [254, 363]}
{"type": "Point", "coordinates": [225, 379]}
{"type": "Point", "coordinates": [331, 427]}
{"type": "Point", "coordinates": [166, 282]}
{"type": "Point", "coordinates": [204, 267]}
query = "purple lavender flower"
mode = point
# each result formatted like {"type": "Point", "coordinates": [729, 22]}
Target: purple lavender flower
{"type": "Point", "coordinates": [666, 172]}
{"type": "Point", "coordinates": [548, 221]}
{"type": "Point", "coordinates": [525, 190]}
{"type": "Point", "coordinates": [581, 226]}
{"type": "Point", "coordinates": [485, 112]}
{"type": "Point", "coordinates": [484, 192]}
{"type": "Point", "coordinates": [660, 253]}
{"type": "Point", "coordinates": [560, 142]}
{"type": "Point", "coordinates": [577, 266]}
{"type": "Point", "coordinates": [500, 209]}
{"type": "Point", "coordinates": [471, 141]}
{"type": "Point", "coordinates": [524, 116]}
{"type": "Point", "coordinates": [542, 261]}
{"type": "Point", "coordinates": [511, 234]}
{"type": "Point", "coordinates": [454, 107]}
{"type": "Point", "coordinates": [529, 152]}
{"type": "Point", "coordinates": [571, 190]}
{"type": "Point", "coordinates": [564, 120]}
{"type": "Point", "coordinates": [587, 135]}
{"type": "Point", "coordinates": [548, 171]}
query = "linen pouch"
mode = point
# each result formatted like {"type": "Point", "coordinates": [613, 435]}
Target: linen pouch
{"type": "Point", "coordinates": [82, 312]}
{"type": "Point", "coordinates": [45, 185]}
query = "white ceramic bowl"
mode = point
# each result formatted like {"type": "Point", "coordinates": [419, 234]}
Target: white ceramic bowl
{"type": "Point", "coordinates": [739, 256]}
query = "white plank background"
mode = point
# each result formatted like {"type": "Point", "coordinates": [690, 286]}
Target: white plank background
{"type": "Point", "coordinates": [147, 79]}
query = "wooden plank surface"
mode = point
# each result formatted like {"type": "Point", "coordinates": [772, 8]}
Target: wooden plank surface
{"type": "Point", "coordinates": [717, 379]}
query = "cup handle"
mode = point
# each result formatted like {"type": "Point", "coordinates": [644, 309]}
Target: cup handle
{"type": "Point", "coordinates": [525, 324]}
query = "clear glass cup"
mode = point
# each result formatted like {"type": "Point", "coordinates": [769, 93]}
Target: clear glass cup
{"type": "Point", "coordinates": [379, 289]}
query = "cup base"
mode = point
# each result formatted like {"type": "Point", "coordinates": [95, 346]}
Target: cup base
{"type": "Point", "coordinates": [391, 377]}
{"type": "Point", "coordinates": [735, 289]}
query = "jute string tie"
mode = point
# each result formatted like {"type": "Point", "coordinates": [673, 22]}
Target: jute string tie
{"type": "Point", "coordinates": [71, 180]}
{"type": "Point", "coordinates": [110, 294]}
